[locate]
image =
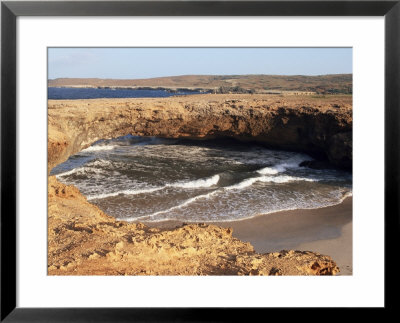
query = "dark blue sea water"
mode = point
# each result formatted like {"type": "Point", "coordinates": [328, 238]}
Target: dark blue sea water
{"type": "Point", "coordinates": [155, 179]}
{"type": "Point", "coordinates": [66, 93]}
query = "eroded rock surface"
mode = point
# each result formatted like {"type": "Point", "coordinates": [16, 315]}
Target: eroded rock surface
{"type": "Point", "coordinates": [315, 125]}
{"type": "Point", "coordinates": [82, 240]}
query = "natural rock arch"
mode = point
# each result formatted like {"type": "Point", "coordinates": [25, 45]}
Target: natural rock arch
{"type": "Point", "coordinates": [76, 124]}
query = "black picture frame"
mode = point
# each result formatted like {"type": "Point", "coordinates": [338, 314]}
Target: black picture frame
{"type": "Point", "coordinates": [10, 10]}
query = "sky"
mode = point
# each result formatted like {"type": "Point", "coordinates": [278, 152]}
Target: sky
{"type": "Point", "coordinates": [134, 63]}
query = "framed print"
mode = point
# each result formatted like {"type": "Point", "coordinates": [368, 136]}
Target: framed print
{"type": "Point", "coordinates": [194, 150]}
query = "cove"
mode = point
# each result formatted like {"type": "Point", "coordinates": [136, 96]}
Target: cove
{"type": "Point", "coordinates": [154, 179]}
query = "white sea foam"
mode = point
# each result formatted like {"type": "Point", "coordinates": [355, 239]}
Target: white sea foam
{"type": "Point", "coordinates": [185, 203]}
{"type": "Point", "coordinates": [125, 192]}
{"type": "Point", "coordinates": [72, 171]}
{"type": "Point", "coordinates": [268, 179]}
{"type": "Point", "coordinates": [346, 195]}
{"type": "Point", "coordinates": [203, 183]}
{"type": "Point", "coordinates": [280, 168]}
{"type": "Point", "coordinates": [99, 148]}
{"type": "Point", "coordinates": [245, 183]}
{"type": "Point", "coordinates": [269, 170]}
{"type": "Point", "coordinates": [199, 183]}
{"type": "Point", "coordinates": [303, 205]}
{"type": "Point", "coordinates": [286, 179]}
{"type": "Point", "coordinates": [95, 166]}
{"type": "Point", "coordinates": [81, 170]}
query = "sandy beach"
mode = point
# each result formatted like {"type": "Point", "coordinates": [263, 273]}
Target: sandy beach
{"type": "Point", "coordinates": [325, 230]}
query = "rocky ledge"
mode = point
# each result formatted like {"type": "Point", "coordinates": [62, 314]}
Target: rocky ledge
{"type": "Point", "coordinates": [319, 126]}
{"type": "Point", "coordinates": [82, 240]}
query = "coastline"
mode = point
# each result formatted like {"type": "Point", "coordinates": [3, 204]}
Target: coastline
{"type": "Point", "coordinates": [326, 230]}
{"type": "Point", "coordinates": [83, 240]}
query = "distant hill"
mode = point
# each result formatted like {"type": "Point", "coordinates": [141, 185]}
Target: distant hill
{"type": "Point", "coordinates": [322, 84]}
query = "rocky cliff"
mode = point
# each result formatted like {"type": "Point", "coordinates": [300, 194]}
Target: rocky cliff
{"type": "Point", "coordinates": [319, 126]}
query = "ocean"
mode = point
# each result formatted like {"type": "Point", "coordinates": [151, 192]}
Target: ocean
{"type": "Point", "coordinates": [65, 93]}
{"type": "Point", "coordinates": [155, 179]}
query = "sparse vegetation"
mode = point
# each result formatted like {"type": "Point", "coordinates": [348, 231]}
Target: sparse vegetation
{"type": "Point", "coordinates": [236, 89]}
{"type": "Point", "coordinates": [322, 84]}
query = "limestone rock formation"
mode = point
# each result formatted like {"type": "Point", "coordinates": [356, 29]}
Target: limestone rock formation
{"type": "Point", "coordinates": [318, 126]}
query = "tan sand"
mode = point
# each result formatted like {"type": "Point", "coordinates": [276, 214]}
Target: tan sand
{"type": "Point", "coordinates": [326, 230]}
{"type": "Point", "coordinates": [340, 249]}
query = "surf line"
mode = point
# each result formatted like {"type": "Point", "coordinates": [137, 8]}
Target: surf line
{"type": "Point", "coordinates": [189, 201]}
{"type": "Point", "coordinates": [199, 183]}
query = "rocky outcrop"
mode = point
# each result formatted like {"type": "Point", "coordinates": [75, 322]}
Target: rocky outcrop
{"type": "Point", "coordinates": [319, 126]}
{"type": "Point", "coordinates": [82, 240]}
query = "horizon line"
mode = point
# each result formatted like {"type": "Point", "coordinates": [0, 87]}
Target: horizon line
{"type": "Point", "coordinates": [148, 78]}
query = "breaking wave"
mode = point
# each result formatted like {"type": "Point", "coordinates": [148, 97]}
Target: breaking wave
{"type": "Point", "coordinates": [200, 183]}
{"type": "Point", "coordinates": [153, 180]}
{"type": "Point", "coordinates": [268, 179]}
{"type": "Point", "coordinates": [185, 203]}
{"type": "Point", "coordinates": [123, 192]}
{"type": "Point", "coordinates": [282, 167]}
{"type": "Point", "coordinates": [99, 148]}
